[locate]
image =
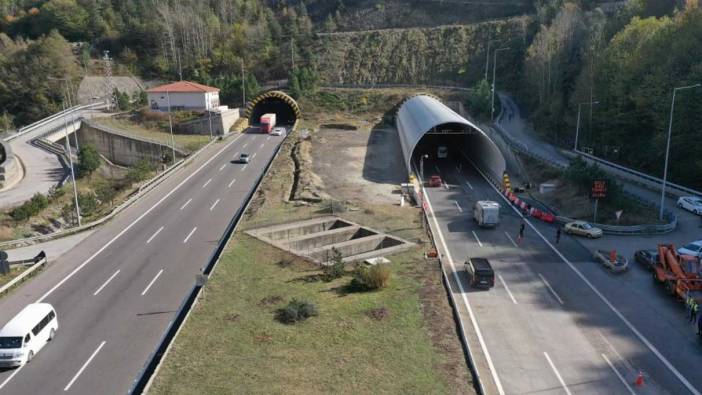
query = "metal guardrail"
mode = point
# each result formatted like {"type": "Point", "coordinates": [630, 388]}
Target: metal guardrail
{"type": "Point", "coordinates": [39, 261]}
{"type": "Point", "coordinates": [146, 375]}
{"type": "Point", "coordinates": [651, 181]}
{"type": "Point", "coordinates": [384, 86]}
{"type": "Point", "coordinates": [29, 128]}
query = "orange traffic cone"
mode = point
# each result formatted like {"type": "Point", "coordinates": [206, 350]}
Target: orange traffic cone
{"type": "Point", "coordinates": [639, 380]}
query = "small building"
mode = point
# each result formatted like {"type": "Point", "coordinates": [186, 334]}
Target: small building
{"type": "Point", "coordinates": [183, 95]}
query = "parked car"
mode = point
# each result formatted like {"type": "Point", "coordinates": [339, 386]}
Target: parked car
{"type": "Point", "coordinates": [278, 131]}
{"type": "Point", "coordinates": [435, 181]}
{"type": "Point", "coordinates": [647, 258]}
{"type": "Point", "coordinates": [480, 273]}
{"type": "Point", "coordinates": [244, 158]}
{"type": "Point", "coordinates": [582, 228]}
{"type": "Point", "coordinates": [692, 204]}
{"type": "Point", "coordinates": [693, 249]}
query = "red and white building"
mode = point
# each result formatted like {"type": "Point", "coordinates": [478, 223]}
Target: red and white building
{"type": "Point", "coordinates": [183, 95]}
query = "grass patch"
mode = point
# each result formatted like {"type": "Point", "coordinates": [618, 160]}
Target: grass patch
{"type": "Point", "coordinates": [14, 272]}
{"type": "Point", "coordinates": [188, 142]}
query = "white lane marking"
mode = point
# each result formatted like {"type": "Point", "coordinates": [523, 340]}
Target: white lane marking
{"type": "Point", "coordinates": [469, 185]}
{"type": "Point", "coordinates": [244, 168]}
{"type": "Point", "coordinates": [458, 206]}
{"type": "Point", "coordinates": [152, 282]}
{"type": "Point", "coordinates": [106, 282]}
{"type": "Point", "coordinates": [473, 320]}
{"type": "Point", "coordinates": [85, 365]}
{"type": "Point", "coordinates": [614, 350]}
{"type": "Point", "coordinates": [476, 238]}
{"type": "Point", "coordinates": [606, 301]}
{"type": "Point", "coordinates": [189, 234]}
{"type": "Point", "coordinates": [231, 183]}
{"type": "Point", "coordinates": [154, 235]}
{"type": "Point", "coordinates": [186, 203]}
{"type": "Point", "coordinates": [437, 169]}
{"type": "Point", "coordinates": [207, 183]}
{"type": "Point", "coordinates": [631, 391]}
{"type": "Point", "coordinates": [11, 376]}
{"type": "Point", "coordinates": [223, 166]}
{"type": "Point", "coordinates": [511, 239]}
{"type": "Point", "coordinates": [214, 204]}
{"type": "Point", "coordinates": [254, 155]}
{"type": "Point", "coordinates": [558, 375]}
{"type": "Point", "coordinates": [262, 145]}
{"type": "Point", "coordinates": [550, 289]}
{"type": "Point", "coordinates": [125, 230]}
{"type": "Point", "coordinates": [504, 284]}
{"type": "Point", "coordinates": [245, 144]}
{"type": "Point", "coordinates": [268, 138]}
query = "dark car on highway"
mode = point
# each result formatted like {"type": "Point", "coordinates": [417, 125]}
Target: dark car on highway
{"type": "Point", "coordinates": [647, 258]}
{"type": "Point", "coordinates": [480, 273]}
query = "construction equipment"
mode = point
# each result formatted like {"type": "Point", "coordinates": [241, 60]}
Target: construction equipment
{"type": "Point", "coordinates": [677, 273]}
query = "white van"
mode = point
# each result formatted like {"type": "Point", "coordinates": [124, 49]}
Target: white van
{"type": "Point", "coordinates": [26, 334]}
{"type": "Point", "coordinates": [486, 213]}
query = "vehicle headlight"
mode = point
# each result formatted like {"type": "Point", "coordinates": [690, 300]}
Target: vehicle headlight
{"type": "Point", "coordinates": [19, 354]}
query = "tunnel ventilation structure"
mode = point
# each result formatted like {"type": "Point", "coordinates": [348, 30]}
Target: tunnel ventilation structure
{"type": "Point", "coordinates": [285, 107]}
{"type": "Point", "coordinates": [424, 124]}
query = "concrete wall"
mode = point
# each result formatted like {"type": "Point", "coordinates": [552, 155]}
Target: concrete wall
{"type": "Point", "coordinates": [123, 150]}
{"type": "Point", "coordinates": [221, 123]}
{"type": "Point", "coordinates": [183, 100]}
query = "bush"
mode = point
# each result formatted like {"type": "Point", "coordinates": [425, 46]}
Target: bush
{"type": "Point", "coordinates": [89, 159]}
{"type": "Point", "coordinates": [140, 172]}
{"type": "Point", "coordinates": [105, 192]}
{"type": "Point", "coordinates": [370, 278]}
{"type": "Point", "coordinates": [297, 311]}
{"type": "Point", "coordinates": [88, 203]}
{"type": "Point", "coordinates": [30, 208]}
{"type": "Point", "coordinates": [336, 269]}
{"type": "Point", "coordinates": [56, 192]}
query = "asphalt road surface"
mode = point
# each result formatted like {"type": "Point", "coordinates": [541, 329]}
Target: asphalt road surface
{"type": "Point", "coordinates": [556, 322]}
{"type": "Point", "coordinates": [117, 291]}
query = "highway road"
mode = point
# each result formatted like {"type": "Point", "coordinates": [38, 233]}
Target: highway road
{"type": "Point", "coordinates": [118, 290]}
{"type": "Point", "coordinates": [556, 322]}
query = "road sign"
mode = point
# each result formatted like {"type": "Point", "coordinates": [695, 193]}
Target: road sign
{"type": "Point", "coordinates": [599, 189]}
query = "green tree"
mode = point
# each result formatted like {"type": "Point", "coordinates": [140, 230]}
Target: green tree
{"type": "Point", "coordinates": [88, 159]}
{"type": "Point", "coordinates": [479, 100]}
{"type": "Point", "coordinates": [69, 17]}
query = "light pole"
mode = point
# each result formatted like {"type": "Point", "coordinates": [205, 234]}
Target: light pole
{"type": "Point", "coordinates": [667, 146]}
{"type": "Point", "coordinates": [577, 124]}
{"type": "Point", "coordinates": [170, 124]}
{"type": "Point", "coordinates": [421, 165]}
{"type": "Point", "coordinates": [494, 68]}
{"type": "Point", "coordinates": [487, 58]}
{"type": "Point", "coordinates": [70, 162]}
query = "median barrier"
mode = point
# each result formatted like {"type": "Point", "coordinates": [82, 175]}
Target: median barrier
{"type": "Point", "coordinates": [37, 262]}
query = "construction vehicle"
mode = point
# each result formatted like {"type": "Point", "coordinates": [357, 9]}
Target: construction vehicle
{"type": "Point", "coordinates": [679, 273]}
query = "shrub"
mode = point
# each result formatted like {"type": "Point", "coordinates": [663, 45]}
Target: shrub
{"type": "Point", "coordinates": [297, 311]}
{"type": "Point", "coordinates": [89, 159]}
{"type": "Point", "coordinates": [88, 203]}
{"type": "Point", "coordinates": [30, 208]}
{"type": "Point", "coordinates": [140, 172]}
{"type": "Point", "coordinates": [56, 192]}
{"type": "Point", "coordinates": [105, 192]}
{"type": "Point", "coordinates": [336, 269]}
{"type": "Point", "coordinates": [370, 278]}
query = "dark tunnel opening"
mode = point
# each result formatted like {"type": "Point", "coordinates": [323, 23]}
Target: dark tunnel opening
{"type": "Point", "coordinates": [285, 113]}
{"type": "Point", "coordinates": [447, 141]}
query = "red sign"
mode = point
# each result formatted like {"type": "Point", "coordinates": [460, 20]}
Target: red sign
{"type": "Point", "coordinates": [599, 189]}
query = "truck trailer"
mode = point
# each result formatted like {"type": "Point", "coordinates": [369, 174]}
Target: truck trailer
{"type": "Point", "coordinates": [267, 122]}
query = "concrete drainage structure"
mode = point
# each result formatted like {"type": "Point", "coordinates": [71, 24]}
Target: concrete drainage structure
{"type": "Point", "coordinates": [314, 239]}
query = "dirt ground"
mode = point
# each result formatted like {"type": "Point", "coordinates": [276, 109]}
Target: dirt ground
{"type": "Point", "coordinates": [365, 164]}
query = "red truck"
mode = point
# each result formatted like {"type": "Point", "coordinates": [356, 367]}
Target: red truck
{"type": "Point", "coordinates": [267, 122]}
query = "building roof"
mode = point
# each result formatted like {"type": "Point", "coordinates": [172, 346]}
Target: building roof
{"type": "Point", "coordinates": [182, 87]}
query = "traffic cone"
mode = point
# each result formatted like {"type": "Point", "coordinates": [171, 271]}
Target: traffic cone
{"type": "Point", "coordinates": [639, 382]}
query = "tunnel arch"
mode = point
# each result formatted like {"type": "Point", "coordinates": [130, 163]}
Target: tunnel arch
{"type": "Point", "coordinates": [285, 107]}
{"type": "Point", "coordinates": [424, 122]}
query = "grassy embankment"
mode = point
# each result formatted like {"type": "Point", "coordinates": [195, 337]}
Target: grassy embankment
{"type": "Point", "coordinates": [187, 142]}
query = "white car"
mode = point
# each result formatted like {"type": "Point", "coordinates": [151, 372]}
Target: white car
{"type": "Point", "coordinates": [691, 203]}
{"type": "Point", "coordinates": [278, 131]}
{"type": "Point", "coordinates": [693, 249]}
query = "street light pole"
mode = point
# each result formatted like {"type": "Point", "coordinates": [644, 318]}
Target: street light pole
{"type": "Point", "coordinates": [243, 85]}
{"type": "Point", "coordinates": [70, 162]}
{"type": "Point", "coordinates": [421, 165]}
{"type": "Point", "coordinates": [577, 124]}
{"type": "Point", "coordinates": [667, 146]}
{"type": "Point", "coordinates": [487, 58]}
{"type": "Point", "coordinates": [494, 68]}
{"type": "Point", "coordinates": [170, 124]}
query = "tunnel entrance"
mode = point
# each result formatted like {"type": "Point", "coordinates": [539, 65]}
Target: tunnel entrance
{"type": "Point", "coordinates": [283, 106]}
{"type": "Point", "coordinates": [446, 140]}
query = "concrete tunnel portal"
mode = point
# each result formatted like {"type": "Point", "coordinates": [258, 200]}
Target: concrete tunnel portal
{"type": "Point", "coordinates": [285, 107]}
{"type": "Point", "coordinates": [424, 124]}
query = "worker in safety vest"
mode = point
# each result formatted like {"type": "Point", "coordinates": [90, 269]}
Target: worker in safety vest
{"type": "Point", "coordinates": [688, 306]}
{"type": "Point", "coordinates": [693, 315]}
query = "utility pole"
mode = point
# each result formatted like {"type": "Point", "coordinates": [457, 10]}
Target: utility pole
{"type": "Point", "coordinates": [487, 58]}
{"type": "Point", "coordinates": [108, 78]}
{"type": "Point", "coordinates": [70, 161]}
{"type": "Point", "coordinates": [73, 118]}
{"type": "Point", "coordinates": [577, 124]}
{"type": "Point", "coordinates": [667, 146]}
{"type": "Point", "coordinates": [243, 85]}
{"type": "Point", "coordinates": [292, 53]}
{"type": "Point", "coordinates": [170, 124]}
{"type": "Point", "coordinates": [494, 69]}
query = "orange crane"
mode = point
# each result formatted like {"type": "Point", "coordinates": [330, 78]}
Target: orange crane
{"type": "Point", "coordinates": [671, 271]}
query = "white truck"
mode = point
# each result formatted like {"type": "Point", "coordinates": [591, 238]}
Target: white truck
{"type": "Point", "coordinates": [486, 213]}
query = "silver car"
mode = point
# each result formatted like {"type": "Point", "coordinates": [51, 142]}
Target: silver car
{"type": "Point", "coordinates": [244, 158]}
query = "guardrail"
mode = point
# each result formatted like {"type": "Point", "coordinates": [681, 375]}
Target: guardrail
{"type": "Point", "coordinates": [384, 86]}
{"type": "Point", "coordinates": [143, 381]}
{"type": "Point", "coordinates": [29, 128]}
{"type": "Point", "coordinates": [644, 179]}
{"type": "Point", "coordinates": [39, 261]}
